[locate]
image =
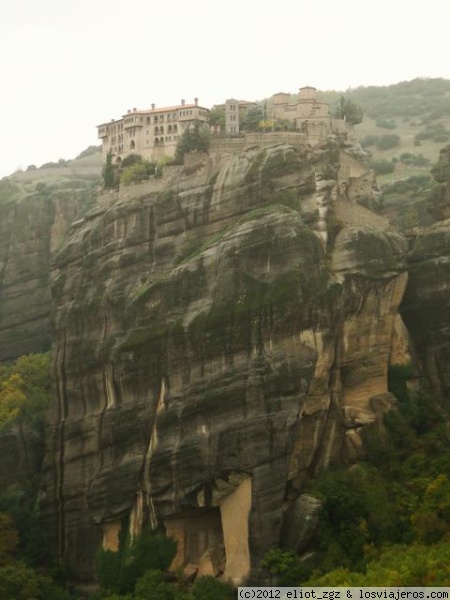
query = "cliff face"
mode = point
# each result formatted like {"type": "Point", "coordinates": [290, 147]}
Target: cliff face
{"type": "Point", "coordinates": [213, 350]}
{"type": "Point", "coordinates": [32, 227]}
{"type": "Point", "coordinates": [425, 307]}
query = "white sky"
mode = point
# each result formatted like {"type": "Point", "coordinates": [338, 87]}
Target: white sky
{"type": "Point", "coordinates": [69, 65]}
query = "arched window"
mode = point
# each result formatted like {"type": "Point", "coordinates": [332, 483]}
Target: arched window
{"type": "Point", "coordinates": [161, 141]}
{"type": "Point", "coordinates": [169, 129]}
{"type": "Point", "coordinates": [174, 128]}
{"type": "Point", "coordinates": [161, 119]}
{"type": "Point", "coordinates": [156, 130]}
{"type": "Point", "coordinates": [155, 119]}
{"type": "Point", "coordinates": [132, 145]}
{"type": "Point", "coordinates": [156, 142]}
{"type": "Point", "coordinates": [161, 129]}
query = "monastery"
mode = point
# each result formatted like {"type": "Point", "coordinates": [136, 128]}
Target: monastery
{"type": "Point", "coordinates": [153, 133]}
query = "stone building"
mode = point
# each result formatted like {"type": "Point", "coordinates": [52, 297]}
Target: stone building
{"type": "Point", "coordinates": [153, 133]}
{"type": "Point", "coordinates": [232, 116]}
{"type": "Point", "coordinates": [309, 115]}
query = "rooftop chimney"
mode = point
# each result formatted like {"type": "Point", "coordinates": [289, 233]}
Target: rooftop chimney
{"type": "Point", "coordinates": [153, 107]}
{"type": "Point", "coordinates": [183, 101]}
{"type": "Point", "coordinates": [196, 101]}
{"type": "Point", "coordinates": [134, 109]}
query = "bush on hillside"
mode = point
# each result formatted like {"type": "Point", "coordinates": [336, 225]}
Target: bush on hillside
{"type": "Point", "coordinates": [382, 167]}
{"type": "Point", "coordinates": [369, 140]}
{"type": "Point", "coordinates": [139, 171]}
{"type": "Point", "coordinates": [388, 141]}
{"type": "Point", "coordinates": [386, 123]}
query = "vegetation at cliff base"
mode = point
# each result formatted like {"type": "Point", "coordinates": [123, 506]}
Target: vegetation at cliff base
{"type": "Point", "coordinates": [384, 520]}
{"type": "Point", "coordinates": [138, 571]}
{"type": "Point", "coordinates": [20, 579]}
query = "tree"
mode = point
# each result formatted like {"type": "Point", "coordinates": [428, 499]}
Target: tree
{"type": "Point", "coordinates": [108, 173]}
{"type": "Point", "coordinates": [351, 112]}
{"type": "Point", "coordinates": [25, 388]}
{"type": "Point", "coordinates": [382, 167]}
{"type": "Point", "coordinates": [285, 567]}
{"type": "Point", "coordinates": [252, 118]}
{"type": "Point", "coordinates": [151, 585]}
{"type": "Point", "coordinates": [194, 139]}
{"type": "Point", "coordinates": [209, 587]}
{"type": "Point", "coordinates": [119, 571]}
{"type": "Point", "coordinates": [18, 582]}
{"type": "Point", "coordinates": [12, 398]}
{"type": "Point", "coordinates": [138, 171]}
{"type": "Point", "coordinates": [217, 118]}
{"type": "Point", "coordinates": [9, 539]}
{"type": "Point", "coordinates": [388, 141]}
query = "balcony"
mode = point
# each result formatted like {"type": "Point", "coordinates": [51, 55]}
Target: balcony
{"type": "Point", "coordinates": [132, 123]}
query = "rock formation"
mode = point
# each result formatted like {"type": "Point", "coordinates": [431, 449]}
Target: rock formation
{"type": "Point", "coordinates": [425, 307]}
{"type": "Point", "coordinates": [220, 336]}
{"type": "Point", "coordinates": [32, 227]}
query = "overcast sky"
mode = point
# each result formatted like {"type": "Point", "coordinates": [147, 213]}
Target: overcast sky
{"type": "Point", "coordinates": [69, 65]}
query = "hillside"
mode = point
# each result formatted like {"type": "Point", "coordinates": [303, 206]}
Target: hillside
{"type": "Point", "coordinates": [404, 127]}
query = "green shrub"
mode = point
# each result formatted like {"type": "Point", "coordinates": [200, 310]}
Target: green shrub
{"type": "Point", "coordinates": [18, 582]}
{"type": "Point", "coordinates": [25, 388]}
{"type": "Point", "coordinates": [369, 140]}
{"type": "Point", "coordinates": [139, 171]}
{"type": "Point", "coordinates": [194, 139]}
{"type": "Point", "coordinates": [285, 567]}
{"type": "Point", "coordinates": [388, 141]}
{"type": "Point", "coordinates": [414, 183]}
{"type": "Point", "coordinates": [151, 586]}
{"type": "Point", "coordinates": [382, 167]}
{"type": "Point", "coordinates": [210, 588]}
{"type": "Point", "coordinates": [386, 123]}
{"type": "Point", "coordinates": [118, 572]}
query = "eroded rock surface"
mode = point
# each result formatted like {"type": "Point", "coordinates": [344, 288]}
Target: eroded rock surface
{"type": "Point", "coordinates": [213, 349]}
{"type": "Point", "coordinates": [32, 227]}
{"type": "Point", "coordinates": [425, 308]}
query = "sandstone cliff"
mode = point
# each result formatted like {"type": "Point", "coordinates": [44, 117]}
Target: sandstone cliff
{"type": "Point", "coordinates": [219, 337]}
